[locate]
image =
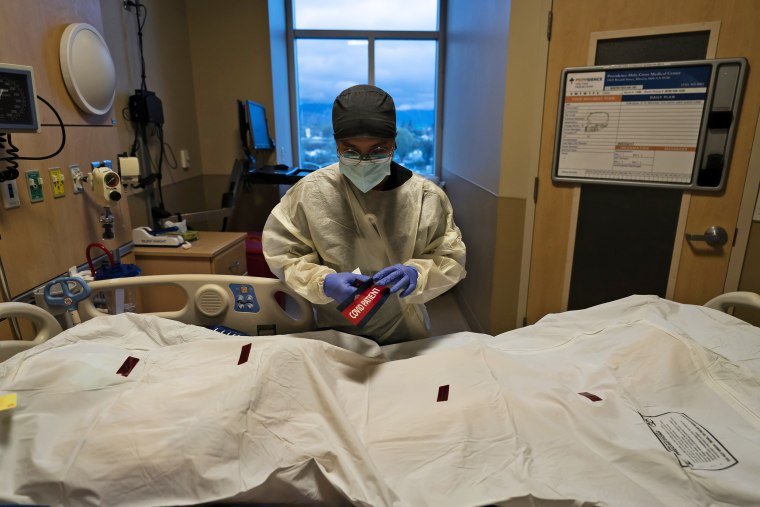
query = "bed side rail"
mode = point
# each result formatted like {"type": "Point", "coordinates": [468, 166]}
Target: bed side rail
{"type": "Point", "coordinates": [739, 299]}
{"type": "Point", "coordinates": [43, 322]}
{"type": "Point", "coordinates": [244, 303]}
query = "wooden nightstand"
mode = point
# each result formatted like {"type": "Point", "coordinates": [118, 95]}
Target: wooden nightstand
{"type": "Point", "coordinates": [221, 253]}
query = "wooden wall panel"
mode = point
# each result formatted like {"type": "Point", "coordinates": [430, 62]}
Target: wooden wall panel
{"type": "Point", "coordinates": [41, 240]}
{"type": "Point", "coordinates": [31, 35]}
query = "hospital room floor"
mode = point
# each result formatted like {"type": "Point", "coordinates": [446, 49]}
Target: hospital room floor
{"type": "Point", "coordinates": [445, 315]}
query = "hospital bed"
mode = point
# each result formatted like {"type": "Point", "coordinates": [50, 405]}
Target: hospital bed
{"type": "Point", "coordinates": [640, 401]}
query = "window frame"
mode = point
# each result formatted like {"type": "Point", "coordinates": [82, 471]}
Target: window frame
{"type": "Point", "coordinates": [371, 36]}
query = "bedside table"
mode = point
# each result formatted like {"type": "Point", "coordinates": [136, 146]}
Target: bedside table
{"type": "Point", "coordinates": [221, 253]}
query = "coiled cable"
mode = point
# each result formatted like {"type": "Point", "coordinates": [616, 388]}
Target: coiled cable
{"type": "Point", "coordinates": [11, 151]}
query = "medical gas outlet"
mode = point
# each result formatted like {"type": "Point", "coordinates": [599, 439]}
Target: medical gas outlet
{"type": "Point", "coordinates": [34, 183]}
{"type": "Point", "coordinates": [77, 177]}
{"type": "Point", "coordinates": [105, 185]}
{"type": "Point", "coordinates": [56, 180]}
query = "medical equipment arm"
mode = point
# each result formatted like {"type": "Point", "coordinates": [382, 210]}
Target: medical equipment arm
{"type": "Point", "coordinates": [292, 258]}
{"type": "Point", "coordinates": [441, 264]}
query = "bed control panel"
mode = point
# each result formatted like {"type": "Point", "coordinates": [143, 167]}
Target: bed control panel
{"type": "Point", "coordinates": [244, 298]}
{"type": "Point", "coordinates": [252, 305]}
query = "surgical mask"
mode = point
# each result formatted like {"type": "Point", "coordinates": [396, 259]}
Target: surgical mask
{"type": "Point", "coordinates": [366, 175]}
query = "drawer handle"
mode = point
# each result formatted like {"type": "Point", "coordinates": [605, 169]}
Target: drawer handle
{"type": "Point", "coordinates": [235, 267]}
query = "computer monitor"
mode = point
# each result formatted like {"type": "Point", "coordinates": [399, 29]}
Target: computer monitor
{"type": "Point", "coordinates": [259, 129]}
{"type": "Point", "coordinates": [254, 130]}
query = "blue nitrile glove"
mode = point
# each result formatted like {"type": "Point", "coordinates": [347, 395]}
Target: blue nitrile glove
{"type": "Point", "coordinates": [340, 286]}
{"type": "Point", "coordinates": [402, 277]}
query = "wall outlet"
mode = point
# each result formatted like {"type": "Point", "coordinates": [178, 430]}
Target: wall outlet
{"type": "Point", "coordinates": [10, 194]}
{"type": "Point", "coordinates": [184, 159]}
{"type": "Point", "coordinates": [34, 183]}
{"type": "Point", "coordinates": [76, 178]}
{"type": "Point", "coordinates": [56, 181]}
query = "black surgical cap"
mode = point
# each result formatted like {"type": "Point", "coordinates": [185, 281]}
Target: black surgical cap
{"type": "Point", "coordinates": [364, 110]}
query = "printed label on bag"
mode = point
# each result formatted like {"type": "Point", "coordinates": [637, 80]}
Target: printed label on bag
{"type": "Point", "coordinates": [692, 444]}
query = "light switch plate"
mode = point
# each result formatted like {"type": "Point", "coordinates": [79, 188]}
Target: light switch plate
{"type": "Point", "coordinates": [10, 194]}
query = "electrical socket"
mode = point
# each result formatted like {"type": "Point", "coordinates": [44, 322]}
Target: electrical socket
{"type": "Point", "coordinates": [10, 194]}
{"type": "Point", "coordinates": [76, 178]}
{"type": "Point", "coordinates": [34, 184]}
{"type": "Point", "coordinates": [56, 181]}
{"type": "Point", "coordinates": [184, 159]}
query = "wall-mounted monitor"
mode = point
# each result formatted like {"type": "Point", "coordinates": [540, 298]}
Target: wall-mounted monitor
{"type": "Point", "coordinates": [18, 107]}
{"type": "Point", "coordinates": [664, 125]}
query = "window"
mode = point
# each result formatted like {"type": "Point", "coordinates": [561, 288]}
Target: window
{"type": "Point", "coordinates": [393, 44]}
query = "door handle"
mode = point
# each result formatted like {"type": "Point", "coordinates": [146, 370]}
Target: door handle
{"type": "Point", "coordinates": [713, 236]}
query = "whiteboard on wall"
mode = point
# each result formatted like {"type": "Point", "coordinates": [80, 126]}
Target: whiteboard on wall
{"type": "Point", "coordinates": [667, 124]}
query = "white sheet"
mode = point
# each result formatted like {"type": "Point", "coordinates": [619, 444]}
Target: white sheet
{"type": "Point", "coordinates": [308, 421]}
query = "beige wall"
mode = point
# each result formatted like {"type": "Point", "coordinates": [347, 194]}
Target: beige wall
{"type": "Point", "coordinates": [524, 99]}
{"type": "Point", "coordinates": [229, 45]}
{"type": "Point", "coordinates": [169, 74]}
{"type": "Point", "coordinates": [473, 122]}
{"type": "Point", "coordinates": [750, 279]}
{"type": "Point", "coordinates": [491, 141]}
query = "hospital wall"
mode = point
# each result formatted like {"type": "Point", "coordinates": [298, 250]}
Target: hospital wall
{"type": "Point", "coordinates": [41, 240]}
{"type": "Point", "coordinates": [491, 138]}
{"type": "Point", "coordinates": [750, 279]}
{"type": "Point", "coordinates": [200, 56]}
{"type": "Point", "coordinates": [169, 74]}
{"type": "Point", "coordinates": [492, 120]}
{"type": "Point", "coordinates": [498, 229]}
{"type": "Point", "coordinates": [230, 48]}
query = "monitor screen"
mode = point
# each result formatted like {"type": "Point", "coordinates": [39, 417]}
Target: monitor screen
{"type": "Point", "coordinates": [259, 130]}
{"type": "Point", "coordinates": [18, 112]}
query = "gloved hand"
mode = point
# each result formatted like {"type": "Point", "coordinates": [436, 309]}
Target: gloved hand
{"type": "Point", "coordinates": [402, 277]}
{"type": "Point", "coordinates": [340, 286]}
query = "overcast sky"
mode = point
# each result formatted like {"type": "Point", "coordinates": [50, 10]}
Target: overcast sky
{"type": "Point", "coordinates": [366, 14]}
{"type": "Point", "coordinates": [405, 69]}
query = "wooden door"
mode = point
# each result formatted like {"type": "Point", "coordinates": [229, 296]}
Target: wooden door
{"type": "Point", "coordinates": [696, 273]}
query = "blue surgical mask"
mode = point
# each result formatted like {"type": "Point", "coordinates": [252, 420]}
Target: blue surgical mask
{"type": "Point", "coordinates": [366, 175]}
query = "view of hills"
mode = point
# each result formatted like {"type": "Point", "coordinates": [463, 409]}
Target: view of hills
{"type": "Point", "coordinates": [415, 141]}
{"type": "Point", "coordinates": [319, 114]}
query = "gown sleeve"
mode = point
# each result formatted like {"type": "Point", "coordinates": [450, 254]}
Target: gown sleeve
{"type": "Point", "coordinates": [441, 261]}
{"type": "Point", "coordinates": [290, 252]}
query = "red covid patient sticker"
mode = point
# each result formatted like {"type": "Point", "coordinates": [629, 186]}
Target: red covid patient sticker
{"type": "Point", "coordinates": [364, 304]}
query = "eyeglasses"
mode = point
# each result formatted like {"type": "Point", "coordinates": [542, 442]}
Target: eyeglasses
{"type": "Point", "coordinates": [353, 157]}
